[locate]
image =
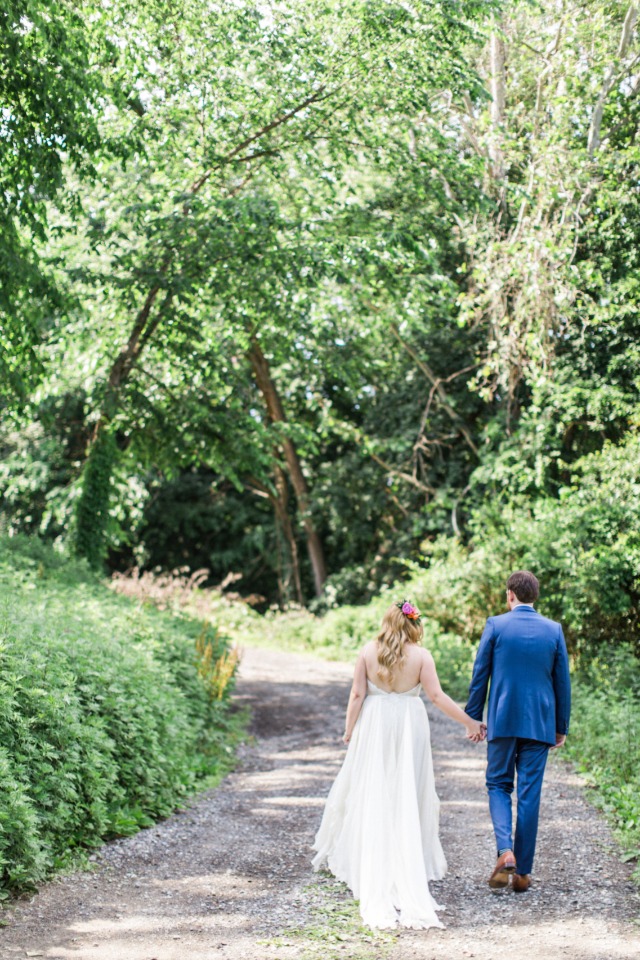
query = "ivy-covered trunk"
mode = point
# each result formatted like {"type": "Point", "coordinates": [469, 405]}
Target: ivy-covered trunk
{"type": "Point", "coordinates": [92, 511]}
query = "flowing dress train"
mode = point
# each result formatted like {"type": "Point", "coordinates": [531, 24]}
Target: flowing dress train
{"type": "Point", "coordinates": [379, 830]}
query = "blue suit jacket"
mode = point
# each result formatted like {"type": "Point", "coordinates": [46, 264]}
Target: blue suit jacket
{"type": "Point", "coordinates": [524, 655]}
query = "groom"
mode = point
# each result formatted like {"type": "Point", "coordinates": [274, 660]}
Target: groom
{"type": "Point", "coordinates": [525, 657]}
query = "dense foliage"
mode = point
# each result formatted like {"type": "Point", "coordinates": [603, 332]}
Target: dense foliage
{"type": "Point", "coordinates": [229, 287]}
{"type": "Point", "coordinates": [315, 296]}
{"type": "Point", "coordinates": [314, 312]}
{"type": "Point", "coordinates": [108, 714]}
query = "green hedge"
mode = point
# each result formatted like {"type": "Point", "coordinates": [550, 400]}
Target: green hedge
{"type": "Point", "coordinates": [106, 720]}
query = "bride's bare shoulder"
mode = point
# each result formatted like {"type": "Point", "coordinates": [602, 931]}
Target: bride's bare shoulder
{"type": "Point", "coordinates": [427, 659]}
{"type": "Point", "coordinates": [420, 655]}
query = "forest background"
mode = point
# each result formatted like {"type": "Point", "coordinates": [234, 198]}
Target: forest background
{"type": "Point", "coordinates": [319, 299]}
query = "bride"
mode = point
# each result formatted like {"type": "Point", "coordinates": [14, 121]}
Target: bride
{"type": "Point", "coordinates": [379, 830]}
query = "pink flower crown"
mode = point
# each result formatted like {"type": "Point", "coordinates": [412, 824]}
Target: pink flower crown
{"type": "Point", "coordinates": [409, 610]}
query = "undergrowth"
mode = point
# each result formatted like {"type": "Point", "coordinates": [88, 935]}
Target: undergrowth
{"type": "Point", "coordinates": [110, 712]}
{"type": "Point", "coordinates": [605, 743]}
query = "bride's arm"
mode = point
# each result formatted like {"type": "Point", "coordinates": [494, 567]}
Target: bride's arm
{"type": "Point", "coordinates": [431, 686]}
{"type": "Point", "coordinates": [356, 698]}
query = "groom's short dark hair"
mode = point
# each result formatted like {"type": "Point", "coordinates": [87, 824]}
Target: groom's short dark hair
{"type": "Point", "coordinates": [524, 585]}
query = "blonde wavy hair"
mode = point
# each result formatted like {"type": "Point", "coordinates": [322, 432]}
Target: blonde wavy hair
{"type": "Point", "coordinates": [396, 630]}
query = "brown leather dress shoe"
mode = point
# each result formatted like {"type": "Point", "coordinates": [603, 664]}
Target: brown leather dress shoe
{"type": "Point", "coordinates": [505, 865]}
{"type": "Point", "coordinates": [520, 882]}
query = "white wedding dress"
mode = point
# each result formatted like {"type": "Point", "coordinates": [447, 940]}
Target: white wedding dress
{"type": "Point", "coordinates": [379, 830]}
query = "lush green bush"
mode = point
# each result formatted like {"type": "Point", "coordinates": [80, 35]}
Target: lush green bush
{"type": "Point", "coordinates": [584, 547]}
{"type": "Point", "coordinates": [605, 739]}
{"type": "Point", "coordinates": [109, 711]}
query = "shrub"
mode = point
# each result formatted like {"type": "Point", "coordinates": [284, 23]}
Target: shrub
{"type": "Point", "coordinates": [106, 718]}
{"type": "Point", "coordinates": [605, 743]}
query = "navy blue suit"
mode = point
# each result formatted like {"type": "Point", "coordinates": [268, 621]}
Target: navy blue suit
{"type": "Point", "coordinates": [524, 656]}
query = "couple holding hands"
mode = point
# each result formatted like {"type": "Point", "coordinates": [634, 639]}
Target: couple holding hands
{"type": "Point", "coordinates": [379, 830]}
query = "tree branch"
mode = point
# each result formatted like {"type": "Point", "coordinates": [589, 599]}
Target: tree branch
{"type": "Point", "coordinates": [593, 141]}
{"type": "Point", "coordinates": [407, 477]}
{"type": "Point", "coordinates": [315, 97]}
{"type": "Point", "coordinates": [437, 386]}
{"type": "Point", "coordinates": [498, 102]}
{"type": "Point", "coordinates": [467, 120]}
{"type": "Point", "coordinates": [427, 409]}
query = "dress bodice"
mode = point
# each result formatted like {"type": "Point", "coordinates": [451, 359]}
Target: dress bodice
{"type": "Point", "coordinates": [378, 691]}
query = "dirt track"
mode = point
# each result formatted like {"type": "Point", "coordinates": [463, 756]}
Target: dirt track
{"type": "Point", "coordinates": [230, 878]}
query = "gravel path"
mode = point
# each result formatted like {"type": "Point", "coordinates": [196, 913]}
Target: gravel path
{"type": "Point", "coordinates": [229, 877]}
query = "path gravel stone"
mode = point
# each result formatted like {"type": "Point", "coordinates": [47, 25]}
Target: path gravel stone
{"type": "Point", "coordinates": [229, 877]}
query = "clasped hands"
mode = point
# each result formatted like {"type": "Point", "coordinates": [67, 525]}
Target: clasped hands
{"type": "Point", "coordinates": [476, 731]}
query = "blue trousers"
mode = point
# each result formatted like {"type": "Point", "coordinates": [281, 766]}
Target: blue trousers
{"type": "Point", "coordinates": [507, 756]}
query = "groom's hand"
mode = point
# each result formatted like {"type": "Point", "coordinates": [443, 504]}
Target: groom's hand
{"type": "Point", "coordinates": [560, 740]}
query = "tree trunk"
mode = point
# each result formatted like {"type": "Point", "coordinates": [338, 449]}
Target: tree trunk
{"type": "Point", "coordinates": [498, 103]}
{"type": "Point", "coordinates": [275, 411]}
{"type": "Point", "coordinates": [280, 503]}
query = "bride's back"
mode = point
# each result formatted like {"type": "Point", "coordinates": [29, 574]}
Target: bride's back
{"type": "Point", "coordinates": [404, 676]}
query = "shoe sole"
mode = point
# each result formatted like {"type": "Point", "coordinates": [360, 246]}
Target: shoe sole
{"type": "Point", "coordinates": [501, 879]}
